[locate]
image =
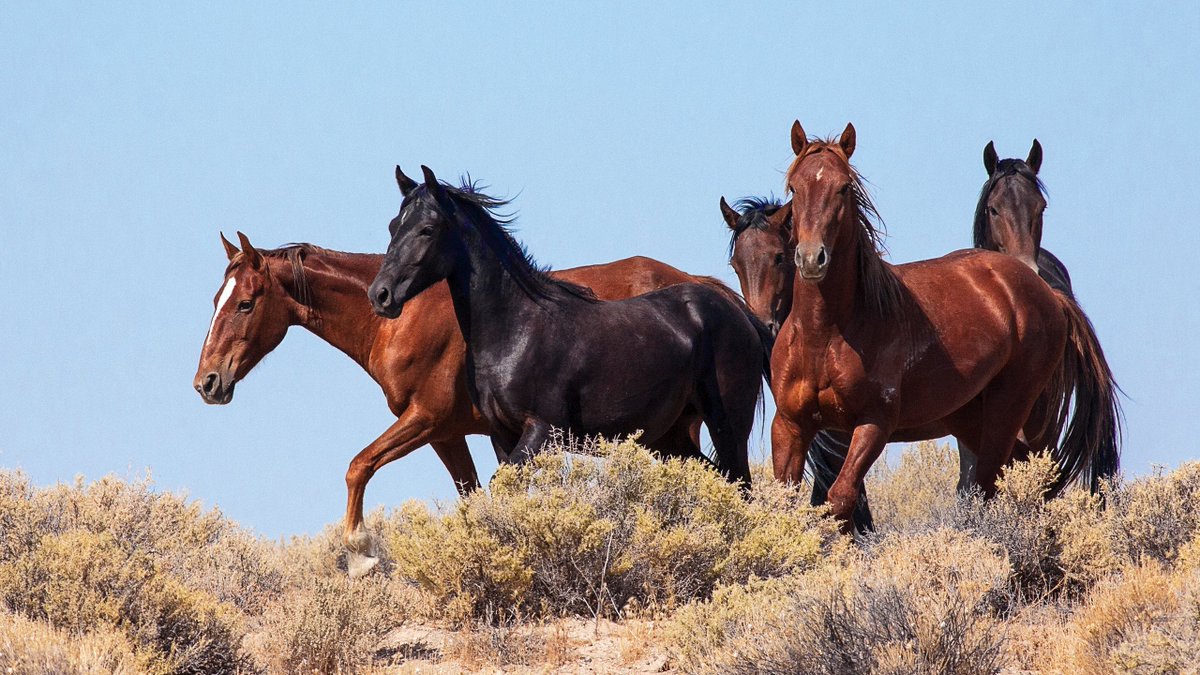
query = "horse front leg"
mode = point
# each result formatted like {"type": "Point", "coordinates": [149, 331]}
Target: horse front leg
{"type": "Point", "coordinates": [405, 435]}
{"type": "Point", "coordinates": [789, 448]}
{"type": "Point", "coordinates": [865, 447]}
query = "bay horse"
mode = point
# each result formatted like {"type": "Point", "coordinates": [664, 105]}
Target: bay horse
{"type": "Point", "coordinates": [761, 256]}
{"type": "Point", "coordinates": [418, 360]}
{"type": "Point", "coordinates": [966, 343]}
{"type": "Point", "coordinates": [544, 353]}
{"type": "Point", "coordinates": [1008, 217]}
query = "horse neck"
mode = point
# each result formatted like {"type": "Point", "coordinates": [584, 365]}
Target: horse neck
{"type": "Point", "coordinates": [832, 302]}
{"type": "Point", "coordinates": [339, 310]}
{"type": "Point", "coordinates": [488, 299]}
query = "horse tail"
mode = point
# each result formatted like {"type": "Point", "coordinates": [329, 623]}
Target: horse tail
{"type": "Point", "coordinates": [1089, 449]}
{"type": "Point", "coordinates": [765, 337]}
{"type": "Point", "coordinates": [826, 455]}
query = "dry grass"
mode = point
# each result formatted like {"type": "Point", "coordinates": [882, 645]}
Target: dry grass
{"type": "Point", "coordinates": [610, 561]}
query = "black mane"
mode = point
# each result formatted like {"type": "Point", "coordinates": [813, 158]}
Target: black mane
{"type": "Point", "coordinates": [481, 212]}
{"type": "Point", "coordinates": [1004, 169]}
{"type": "Point", "coordinates": [754, 214]}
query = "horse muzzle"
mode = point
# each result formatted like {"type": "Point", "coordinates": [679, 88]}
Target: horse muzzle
{"type": "Point", "coordinates": [214, 387]}
{"type": "Point", "coordinates": [384, 300]}
{"type": "Point", "coordinates": [812, 263]}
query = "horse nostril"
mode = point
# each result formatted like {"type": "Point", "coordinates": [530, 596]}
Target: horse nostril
{"type": "Point", "coordinates": [210, 384]}
{"type": "Point", "coordinates": [382, 296]}
{"type": "Point", "coordinates": [821, 257]}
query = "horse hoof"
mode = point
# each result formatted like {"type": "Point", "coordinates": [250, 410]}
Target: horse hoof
{"type": "Point", "coordinates": [358, 565]}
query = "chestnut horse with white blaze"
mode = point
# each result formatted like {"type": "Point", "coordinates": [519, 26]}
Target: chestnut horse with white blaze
{"type": "Point", "coordinates": [966, 343]}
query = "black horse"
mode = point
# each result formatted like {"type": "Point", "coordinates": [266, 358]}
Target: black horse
{"type": "Point", "coordinates": [543, 353]}
{"type": "Point", "coordinates": [1008, 217]}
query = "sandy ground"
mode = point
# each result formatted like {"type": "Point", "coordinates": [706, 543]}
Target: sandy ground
{"type": "Point", "coordinates": [575, 646]}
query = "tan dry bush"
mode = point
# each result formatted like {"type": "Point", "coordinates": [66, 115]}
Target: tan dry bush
{"type": "Point", "coordinates": [1155, 515]}
{"type": "Point", "coordinates": [204, 548]}
{"type": "Point", "coordinates": [916, 493]}
{"type": "Point", "coordinates": [586, 534]}
{"type": "Point", "coordinates": [913, 605]}
{"type": "Point", "coordinates": [37, 648]}
{"type": "Point", "coordinates": [112, 555]}
{"type": "Point", "coordinates": [1146, 621]}
{"type": "Point", "coordinates": [81, 581]}
{"type": "Point", "coordinates": [491, 644]}
{"type": "Point", "coordinates": [328, 624]}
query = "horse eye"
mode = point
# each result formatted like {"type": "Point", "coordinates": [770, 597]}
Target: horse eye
{"type": "Point", "coordinates": [245, 306]}
{"type": "Point", "coordinates": [992, 211]}
{"type": "Point", "coordinates": [778, 258]}
{"type": "Point", "coordinates": [845, 189]}
{"type": "Point", "coordinates": [426, 231]}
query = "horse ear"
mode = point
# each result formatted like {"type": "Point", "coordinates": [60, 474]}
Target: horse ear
{"type": "Point", "coordinates": [431, 180]}
{"type": "Point", "coordinates": [407, 185]}
{"type": "Point", "coordinates": [253, 257]}
{"type": "Point", "coordinates": [782, 218]}
{"type": "Point", "coordinates": [729, 214]}
{"type": "Point", "coordinates": [1035, 157]}
{"type": "Point", "coordinates": [230, 249]}
{"type": "Point", "coordinates": [436, 190]}
{"type": "Point", "coordinates": [847, 140]}
{"type": "Point", "coordinates": [799, 138]}
{"type": "Point", "coordinates": [990, 159]}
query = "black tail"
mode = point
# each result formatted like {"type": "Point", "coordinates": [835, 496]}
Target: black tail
{"type": "Point", "coordinates": [1089, 447]}
{"type": "Point", "coordinates": [765, 337]}
{"type": "Point", "coordinates": [826, 455]}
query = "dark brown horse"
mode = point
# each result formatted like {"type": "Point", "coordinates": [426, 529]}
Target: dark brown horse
{"type": "Point", "coordinates": [1008, 217]}
{"type": "Point", "coordinates": [417, 360]}
{"type": "Point", "coordinates": [543, 354]}
{"type": "Point", "coordinates": [965, 343]}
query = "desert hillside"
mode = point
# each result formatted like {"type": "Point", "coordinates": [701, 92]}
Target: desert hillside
{"type": "Point", "coordinates": [611, 561]}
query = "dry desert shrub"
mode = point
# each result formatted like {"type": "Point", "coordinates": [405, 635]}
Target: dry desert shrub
{"type": "Point", "coordinates": [587, 532]}
{"type": "Point", "coordinates": [37, 648]}
{"type": "Point", "coordinates": [115, 556]}
{"type": "Point", "coordinates": [329, 624]}
{"type": "Point", "coordinates": [916, 493]}
{"type": "Point", "coordinates": [1154, 516]}
{"type": "Point", "coordinates": [1145, 621]}
{"type": "Point", "coordinates": [910, 605]}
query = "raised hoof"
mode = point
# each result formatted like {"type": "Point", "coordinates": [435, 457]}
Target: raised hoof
{"type": "Point", "coordinates": [358, 565]}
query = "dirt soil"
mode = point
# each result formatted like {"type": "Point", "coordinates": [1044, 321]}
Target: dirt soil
{"type": "Point", "coordinates": [574, 646]}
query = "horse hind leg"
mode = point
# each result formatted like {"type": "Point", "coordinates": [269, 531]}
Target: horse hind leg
{"type": "Point", "coordinates": [728, 412]}
{"type": "Point", "coordinates": [1006, 407]}
{"type": "Point", "coordinates": [682, 440]}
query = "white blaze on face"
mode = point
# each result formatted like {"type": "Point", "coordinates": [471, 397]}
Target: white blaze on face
{"type": "Point", "coordinates": [819, 172]}
{"type": "Point", "coordinates": [226, 293]}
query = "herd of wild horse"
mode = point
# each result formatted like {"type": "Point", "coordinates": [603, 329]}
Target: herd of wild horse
{"type": "Point", "coordinates": [466, 335]}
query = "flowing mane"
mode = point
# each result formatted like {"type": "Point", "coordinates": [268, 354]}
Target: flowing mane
{"type": "Point", "coordinates": [878, 287]}
{"type": "Point", "coordinates": [1004, 169]}
{"type": "Point", "coordinates": [295, 255]}
{"type": "Point", "coordinates": [481, 213]}
{"type": "Point", "coordinates": [755, 212]}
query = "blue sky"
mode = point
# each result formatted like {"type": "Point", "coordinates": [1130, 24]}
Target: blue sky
{"type": "Point", "coordinates": [130, 137]}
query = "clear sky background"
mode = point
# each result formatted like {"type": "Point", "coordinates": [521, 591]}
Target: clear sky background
{"type": "Point", "coordinates": [129, 137]}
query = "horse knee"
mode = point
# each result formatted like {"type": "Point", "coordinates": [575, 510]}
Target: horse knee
{"type": "Point", "coordinates": [358, 473]}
